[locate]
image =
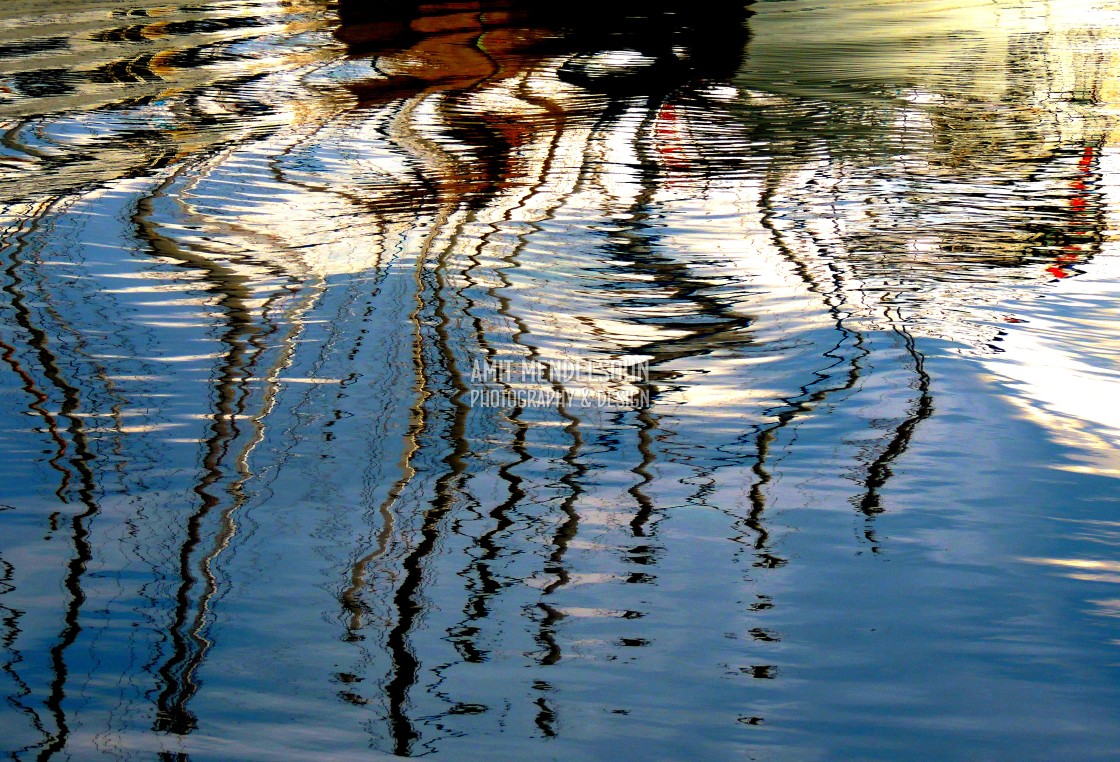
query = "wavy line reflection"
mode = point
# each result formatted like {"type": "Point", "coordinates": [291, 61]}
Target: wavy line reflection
{"type": "Point", "coordinates": [292, 290]}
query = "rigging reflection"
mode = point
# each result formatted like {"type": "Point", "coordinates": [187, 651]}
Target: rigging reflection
{"type": "Point", "coordinates": [490, 182]}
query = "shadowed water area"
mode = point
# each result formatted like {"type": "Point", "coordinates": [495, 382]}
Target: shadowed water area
{"type": "Point", "coordinates": [296, 465]}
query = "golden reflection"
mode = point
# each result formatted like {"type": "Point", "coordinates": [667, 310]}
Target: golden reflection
{"type": "Point", "coordinates": [1074, 563]}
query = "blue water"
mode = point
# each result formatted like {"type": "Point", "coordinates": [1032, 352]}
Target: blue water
{"type": "Point", "coordinates": [485, 381]}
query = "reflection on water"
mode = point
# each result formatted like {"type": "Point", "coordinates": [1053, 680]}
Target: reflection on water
{"type": "Point", "coordinates": [260, 258]}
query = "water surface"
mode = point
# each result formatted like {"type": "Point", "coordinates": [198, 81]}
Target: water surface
{"type": "Point", "coordinates": [295, 466]}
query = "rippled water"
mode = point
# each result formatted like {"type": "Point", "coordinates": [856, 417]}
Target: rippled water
{"type": "Point", "coordinates": [280, 481]}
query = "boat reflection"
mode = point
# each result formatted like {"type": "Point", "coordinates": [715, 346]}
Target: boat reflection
{"type": "Point", "coordinates": [260, 257]}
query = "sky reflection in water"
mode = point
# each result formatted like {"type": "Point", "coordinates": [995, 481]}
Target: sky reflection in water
{"type": "Point", "coordinates": [257, 260]}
